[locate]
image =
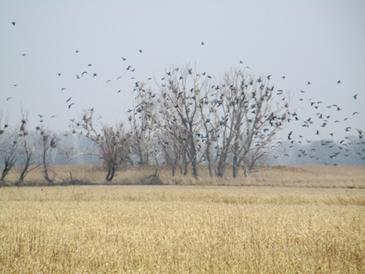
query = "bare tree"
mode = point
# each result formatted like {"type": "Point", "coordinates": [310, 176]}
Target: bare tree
{"type": "Point", "coordinates": [47, 143]}
{"type": "Point", "coordinates": [28, 148]}
{"type": "Point", "coordinates": [143, 138]}
{"type": "Point", "coordinates": [111, 144]}
{"type": "Point", "coordinates": [254, 116]}
{"type": "Point", "coordinates": [8, 146]}
{"type": "Point", "coordinates": [180, 118]}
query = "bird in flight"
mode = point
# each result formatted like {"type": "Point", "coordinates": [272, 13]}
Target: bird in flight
{"type": "Point", "coordinates": [89, 65]}
{"type": "Point", "coordinates": [68, 99]}
{"type": "Point", "coordinates": [85, 72]}
{"type": "Point", "coordinates": [53, 116]}
{"type": "Point", "coordinates": [268, 77]}
{"type": "Point", "coordinates": [77, 51]}
{"type": "Point", "coordinates": [7, 99]}
{"type": "Point", "coordinates": [124, 58]}
{"type": "Point", "coordinates": [308, 83]}
{"type": "Point", "coordinates": [94, 75]}
{"type": "Point", "coordinates": [77, 76]}
{"type": "Point", "coordinates": [339, 82]}
{"type": "Point", "coordinates": [70, 105]}
{"type": "Point", "coordinates": [23, 54]}
{"type": "Point", "coordinates": [347, 129]}
{"type": "Point", "coordinates": [202, 43]}
{"type": "Point", "coordinates": [13, 23]}
{"type": "Point", "coordinates": [59, 74]}
{"type": "Point", "coordinates": [108, 81]}
{"type": "Point", "coordinates": [140, 51]}
{"type": "Point", "coordinates": [63, 88]}
{"type": "Point", "coordinates": [355, 96]}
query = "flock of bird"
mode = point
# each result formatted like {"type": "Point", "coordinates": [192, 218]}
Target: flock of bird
{"type": "Point", "coordinates": [323, 115]}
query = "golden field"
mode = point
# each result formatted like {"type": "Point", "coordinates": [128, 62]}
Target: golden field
{"type": "Point", "coordinates": [213, 228]}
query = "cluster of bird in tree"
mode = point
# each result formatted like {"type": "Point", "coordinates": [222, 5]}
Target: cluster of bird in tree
{"type": "Point", "coordinates": [190, 119]}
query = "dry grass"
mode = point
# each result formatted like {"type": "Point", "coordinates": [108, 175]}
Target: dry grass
{"type": "Point", "coordinates": [293, 176]}
{"type": "Point", "coordinates": [181, 229]}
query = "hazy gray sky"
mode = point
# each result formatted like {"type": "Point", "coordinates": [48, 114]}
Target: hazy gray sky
{"type": "Point", "coordinates": [317, 41]}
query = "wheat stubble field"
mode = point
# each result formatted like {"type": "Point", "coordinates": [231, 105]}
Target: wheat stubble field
{"type": "Point", "coordinates": [185, 229]}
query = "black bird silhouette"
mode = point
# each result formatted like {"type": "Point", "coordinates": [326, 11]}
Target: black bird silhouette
{"type": "Point", "coordinates": [140, 51]}
{"type": "Point", "coordinates": [202, 43]}
{"type": "Point", "coordinates": [23, 54]}
{"type": "Point", "coordinates": [348, 129]}
{"type": "Point", "coordinates": [119, 91]}
{"type": "Point", "coordinates": [339, 82]}
{"type": "Point", "coordinates": [94, 75]}
{"type": "Point", "coordinates": [63, 88]}
{"type": "Point", "coordinates": [69, 106]}
{"type": "Point", "coordinates": [268, 77]}
{"type": "Point", "coordinates": [355, 113]}
{"type": "Point", "coordinates": [68, 99]}
{"type": "Point", "coordinates": [53, 116]}
{"type": "Point", "coordinates": [7, 99]}
{"type": "Point", "coordinates": [85, 72]}
{"type": "Point", "coordinates": [108, 81]}
{"type": "Point", "coordinates": [13, 23]}
{"type": "Point", "coordinates": [302, 91]}
{"type": "Point", "coordinates": [119, 77]}
{"type": "Point", "coordinates": [128, 68]}
{"type": "Point", "coordinates": [308, 83]}
{"type": "Point", "coordinates": [77, 51]}
{"type": "Point", "coordinates": [90, 65]}
{"type": "Point", "coordinates": [284, 77]}
{"type": "Point", "coordinates": [124, 58]}
{"type": "Point", "coordinates": [77, 76]}
{"type": "Point", "coordinates": [241, 62]}
{"type": "Point", "coordinates": [317, 133]}
{"type": "Point", "coordinates": [355, 96]}
{"type": "Point", "coordinates": [59, 74]}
